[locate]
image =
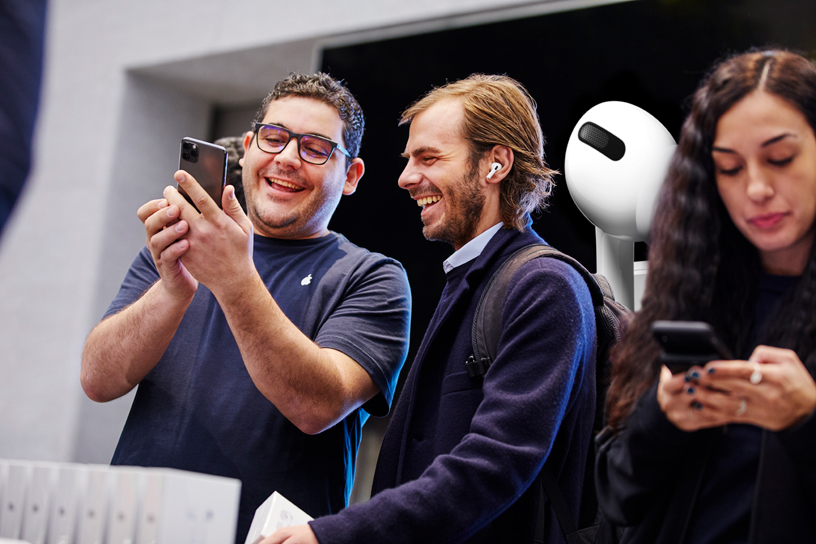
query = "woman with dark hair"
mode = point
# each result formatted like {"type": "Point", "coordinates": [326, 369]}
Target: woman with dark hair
{"type": "Point", "coordinates": [726, 452]}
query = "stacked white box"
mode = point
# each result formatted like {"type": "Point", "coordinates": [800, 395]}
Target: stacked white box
{"type": "Point", "coordinates": [18, 475]}
{"type": "Point", "coordinates": [123, 506]}
{"type": "Point", "coordinates": [3, 478]}
{"type": "Point", "coordinates": [41, 489]}
{"type": "Point", "coordinates": [275, 512]}
{"type": "Point", "coordinates": [182, 507]}
{"type": "Point", "coordinates": [93, 505]}
{"type": "Point", "coordinates": [51, 503]}
{"type": "Point", "coordinates": [68, 494]}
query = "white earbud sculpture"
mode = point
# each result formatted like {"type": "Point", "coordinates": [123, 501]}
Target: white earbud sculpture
{"type": "Point", "coordinates": [616, 159]}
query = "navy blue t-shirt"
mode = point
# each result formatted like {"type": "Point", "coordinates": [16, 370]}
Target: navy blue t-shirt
{"type": "Point", "coordinates": [199, 410]}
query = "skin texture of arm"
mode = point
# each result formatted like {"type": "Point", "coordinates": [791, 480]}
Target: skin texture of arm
{"type": "Point", "coordinates": [124, 347]}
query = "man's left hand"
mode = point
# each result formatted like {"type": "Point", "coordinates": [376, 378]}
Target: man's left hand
{"type": "Point", "coordinates": [297, 534]}
{"type": "Point", "coordinates": [220, 254]}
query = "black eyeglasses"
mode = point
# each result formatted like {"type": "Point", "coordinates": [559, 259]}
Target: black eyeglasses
{"type": "Point", "coordinates": [312, 149]}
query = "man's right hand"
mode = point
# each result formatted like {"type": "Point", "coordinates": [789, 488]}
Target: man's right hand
{"type": "Point", "coordinates": [166, 244]}
{"type": "Point", "coordinates": [124, 347]}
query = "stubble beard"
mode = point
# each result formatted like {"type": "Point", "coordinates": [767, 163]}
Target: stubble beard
{"type": "Point", "coordinates": [463, 210]}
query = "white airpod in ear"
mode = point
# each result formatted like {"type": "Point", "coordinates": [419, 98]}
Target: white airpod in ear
{"type": "Point", "coordinates": [493, 169]}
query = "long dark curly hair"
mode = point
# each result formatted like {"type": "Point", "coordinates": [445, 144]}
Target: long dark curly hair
{"type": "Point", "coordinates": [700, 266]}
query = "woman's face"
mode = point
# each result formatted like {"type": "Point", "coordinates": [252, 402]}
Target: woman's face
{"type": "Point", "coordinates": [765, 166]}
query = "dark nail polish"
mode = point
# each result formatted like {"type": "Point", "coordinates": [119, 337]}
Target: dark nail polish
{"type": "Point", "coordinates": [711, 370]}
{"type": "Point", "coordinates": [690, 390]}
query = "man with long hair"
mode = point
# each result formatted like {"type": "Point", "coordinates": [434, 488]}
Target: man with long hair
{"type": "Point", "coordinates": [461, 454]}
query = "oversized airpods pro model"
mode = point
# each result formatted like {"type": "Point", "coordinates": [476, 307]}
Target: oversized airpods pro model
{"type": "Point", "coordinates": [616, 159]}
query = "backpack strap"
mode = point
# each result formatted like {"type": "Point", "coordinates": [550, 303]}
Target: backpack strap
{"type": "Point", "coordinates": [487, 323]}
{"type": "Point", "coordinates": [486, 332]}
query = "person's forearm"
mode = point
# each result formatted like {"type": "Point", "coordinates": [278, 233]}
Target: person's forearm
{"type": "Point", "coordinates": [313, 387]}
{"type": "Point", "coordinates": [124, 347]}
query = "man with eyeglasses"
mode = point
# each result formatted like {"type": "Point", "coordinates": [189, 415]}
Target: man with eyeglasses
{"type": "Point", "coordinates": [260, 342]}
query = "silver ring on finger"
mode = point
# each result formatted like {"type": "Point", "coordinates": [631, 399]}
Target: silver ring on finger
{"type": "Point", "coordinates": [756, 375]}
{"type": "Point", "coordinates": [742, 407]}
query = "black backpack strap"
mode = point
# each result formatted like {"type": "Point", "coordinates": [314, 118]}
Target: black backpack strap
{"type": "Point", "coordinates": [486, 332]}
{"type": "Point", "coordinates": [487, 325]}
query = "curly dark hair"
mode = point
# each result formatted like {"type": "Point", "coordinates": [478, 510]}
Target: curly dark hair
{"type": "Point", "coordinates": [326, 89]}
{"type": "Point", "coordinates": [500, 111]}
{"type": "Point", "coordinates": [700, 266]}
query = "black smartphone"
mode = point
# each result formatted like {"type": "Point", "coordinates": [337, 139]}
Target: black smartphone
{"type": "Point", "coordinates": [207, 163]}
{"type": "Point", "coordinates": [688, 343]}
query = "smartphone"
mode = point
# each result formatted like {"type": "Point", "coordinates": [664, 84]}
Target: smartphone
{"type": "Point", "coordinates": [207, 163]}
{"type": "Point", "coordinates": [688, 343]}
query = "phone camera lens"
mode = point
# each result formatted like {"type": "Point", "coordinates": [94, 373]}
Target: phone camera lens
{"type": "Point", "coordinates": [194, 151]}
{"type": "Point", "coordinates": [185, 156]}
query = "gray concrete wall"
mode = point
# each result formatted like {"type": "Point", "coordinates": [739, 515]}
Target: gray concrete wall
{"type": "Point", "coordinates": [124, 81]}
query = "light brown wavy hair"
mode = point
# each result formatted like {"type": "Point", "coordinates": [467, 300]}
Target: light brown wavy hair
{"type": "Point", "coordinates": [500, 111]}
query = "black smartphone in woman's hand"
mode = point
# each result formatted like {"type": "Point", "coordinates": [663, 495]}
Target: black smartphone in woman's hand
{"type": "Point", "coordinates": [688, 343]}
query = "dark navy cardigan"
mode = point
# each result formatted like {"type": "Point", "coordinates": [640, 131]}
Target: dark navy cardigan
{"type": "Point", "coordinates": [459, 456]}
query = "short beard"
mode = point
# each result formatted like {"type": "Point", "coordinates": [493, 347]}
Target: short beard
{"type": "Point", "coordinates": [464, 206]}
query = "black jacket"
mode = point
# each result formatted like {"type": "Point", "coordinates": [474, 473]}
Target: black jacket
{"type": "Point", "coordinates": [648, 476]}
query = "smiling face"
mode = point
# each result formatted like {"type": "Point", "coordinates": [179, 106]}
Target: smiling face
{"type": "Point", "coordinates": [456, 203]}
{"type": "Point", "coordinates": [765, 164]}
{"type": "Point", "coordinates": [287, 197]}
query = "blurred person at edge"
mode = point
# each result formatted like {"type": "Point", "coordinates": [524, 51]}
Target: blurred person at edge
{"type": "Point", "coordinates": [726, 452]}
{"type": "Point", "coordinates": [22, 45]}
{"type": "Point", "coordinates": [235, 153]}
{"type": "Point", "coordinates": [260, 342]}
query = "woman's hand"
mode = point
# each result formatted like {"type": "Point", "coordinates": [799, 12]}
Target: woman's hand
{"type": "Point", "coordinates": [772, 390]}
{"type": "Point", "coordinates": [676, 394]}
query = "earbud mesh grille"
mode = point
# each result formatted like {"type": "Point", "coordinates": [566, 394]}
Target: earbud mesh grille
{"type": "Point", "coordinates": [602, 140]}
{"type": "Point", "coordinates": [594, 136]}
